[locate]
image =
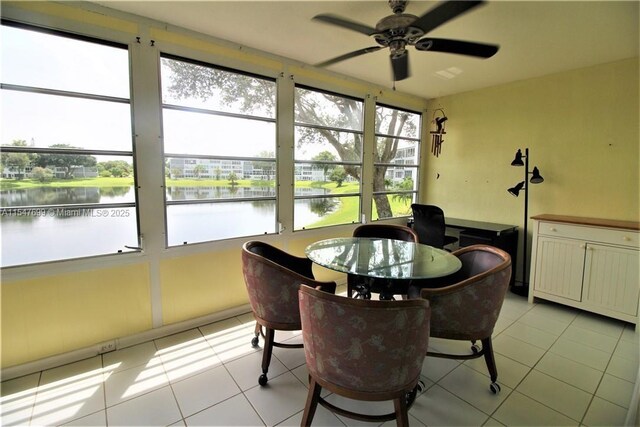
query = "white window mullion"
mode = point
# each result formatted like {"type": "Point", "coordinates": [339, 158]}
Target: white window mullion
{"type": "Point", "coordinates": [147, 128]}
{"type": "Point", "coordinates": [285, 141]}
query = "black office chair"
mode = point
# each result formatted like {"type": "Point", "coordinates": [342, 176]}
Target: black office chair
{"type": "Point", "coordinates": [429, 225]}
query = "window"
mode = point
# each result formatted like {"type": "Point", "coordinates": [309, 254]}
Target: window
{"type": "Point", "coordinates": [396, 162]}
{"type": "Point", "coordinates": [219, 131]}
{"type": "Point", "coordinates": [327, 159]}
{"type": "Point", "coordinates": [67, 178]}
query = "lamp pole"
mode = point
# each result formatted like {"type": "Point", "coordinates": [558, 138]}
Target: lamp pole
{"type": "Point", "coordinates": [536, 178]}
{"type": "Point", "coordinates": [525, 282]}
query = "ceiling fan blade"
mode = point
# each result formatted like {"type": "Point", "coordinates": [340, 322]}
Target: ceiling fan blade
{"type": "Point", "coordinates": [348, 56]}
{"type": "Point", "coordinates": [443, 13]}
{"type": "Point", "coordinates": [458, 46]}
{"type": "Point", "coordinates": [400, 66]}
{"type": "Point", "coordinates": [345, 23]}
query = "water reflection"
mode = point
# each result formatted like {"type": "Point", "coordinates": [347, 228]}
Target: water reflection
{"type": "Point", "coordinates": [45, 196]}
{"type": "Point", "coordinates": [217, 192]}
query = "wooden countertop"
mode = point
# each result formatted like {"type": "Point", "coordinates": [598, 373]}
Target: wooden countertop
{"type": "Point", "coordinates": [612, 223]}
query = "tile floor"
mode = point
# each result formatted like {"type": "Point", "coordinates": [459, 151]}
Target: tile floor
{"type": "Point", "coordinates": [557, 366]}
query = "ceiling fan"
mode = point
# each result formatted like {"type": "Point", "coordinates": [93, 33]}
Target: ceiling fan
{"type": "Point", "coordinates": [401, 29]}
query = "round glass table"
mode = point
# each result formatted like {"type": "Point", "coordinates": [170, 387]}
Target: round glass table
{"type": "Point", "coordinates": [385, 261]}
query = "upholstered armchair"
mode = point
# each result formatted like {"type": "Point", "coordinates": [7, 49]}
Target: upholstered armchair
{"type": "Point", "coordinates": [468, 309]}
{"type": "Point", "coordinates": [385, 231]}
{"type": "Point", "coordinates": [364, 350]}
{"type": "Point", "coordinates": [273, 277]}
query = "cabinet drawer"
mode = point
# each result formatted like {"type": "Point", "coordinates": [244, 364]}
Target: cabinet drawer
{"type": "Point", "coordinates": [627, 238]}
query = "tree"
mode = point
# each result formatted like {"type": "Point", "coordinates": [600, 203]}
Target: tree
{"type": "Point", "coordinates": [325, 156]}
{"type": "Point", "coordinates": [15, 162]}
{"type": "Point", "coordinates": [405, 185]}
{"type": "Point", "coordinates": [66, 161]}
{"type": "Point", "coordinates": [250, 94]}
{"type": "Point", "coordinates": [199, 169]}
{"type": "Point", "coordinates": [117, 168]}
{"type": "Point", "coordinates": [233, 178]}
{"type": "Point", "coordinates": [266, 167]}
{"type": "Point", "coordinates": [338, 175]}
{"type": "Point", "coordinates": [41, 174]}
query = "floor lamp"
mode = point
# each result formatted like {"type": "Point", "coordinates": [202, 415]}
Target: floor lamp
{"type": "Point", "coordinates": [536, 178]}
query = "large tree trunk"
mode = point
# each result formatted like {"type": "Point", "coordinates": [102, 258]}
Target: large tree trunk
{"type": "Point", "coordinates": [382, 201]}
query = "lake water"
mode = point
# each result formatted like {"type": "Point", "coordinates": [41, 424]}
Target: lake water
{"type": "Point", "coordinates": [46, 234]}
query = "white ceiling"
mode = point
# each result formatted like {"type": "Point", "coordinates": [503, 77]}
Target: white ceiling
{"type": "Point", "coordinates": [535, 37]}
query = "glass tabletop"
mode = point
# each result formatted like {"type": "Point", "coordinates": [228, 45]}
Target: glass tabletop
{"type": "Point", "coordinates": [383, 258]}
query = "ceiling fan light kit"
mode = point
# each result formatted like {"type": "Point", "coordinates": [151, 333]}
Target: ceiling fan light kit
{"type": "Point", "coordinates": [400, 30]}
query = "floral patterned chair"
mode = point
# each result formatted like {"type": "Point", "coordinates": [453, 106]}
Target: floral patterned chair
{"type": "Point", "coordinates": [364, 350]}
{"type": "Point", "coordinates": [468, 309]}
{"type": "Point", "coordinates": [386, 231]}
{"type": "Point", "coordinates": [273, 277]}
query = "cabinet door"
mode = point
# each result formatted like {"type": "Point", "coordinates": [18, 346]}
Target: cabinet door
{"type": "Point", "coordinates": [559, 267]}
{"type": "Point", "coordinates": [611, 278]}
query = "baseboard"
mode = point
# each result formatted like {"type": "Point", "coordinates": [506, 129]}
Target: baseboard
{"type": "Point", "coordinates": [122, 342]}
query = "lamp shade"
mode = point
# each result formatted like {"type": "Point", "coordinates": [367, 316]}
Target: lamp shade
{"type": "Point", "coordinates": [517, 161]}
{"type": "Point", "coordinates": [536, 178]}
{"type": "Point", "coordinates": [515, 191]}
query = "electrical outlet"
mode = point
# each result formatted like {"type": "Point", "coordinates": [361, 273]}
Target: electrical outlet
{"type": "Point", "coordinates": [107, 347]}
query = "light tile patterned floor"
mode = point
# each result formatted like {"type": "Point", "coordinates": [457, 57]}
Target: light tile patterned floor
{"type": "Point", "coordinates": [557, 366]}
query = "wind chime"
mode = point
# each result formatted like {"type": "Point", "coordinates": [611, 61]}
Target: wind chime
{"type": "Point", "coordinates": [437, 135]}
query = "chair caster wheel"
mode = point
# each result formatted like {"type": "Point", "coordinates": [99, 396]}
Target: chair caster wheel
{"type": "Point", "coordinates": [254, 342]}
{"type": "Point", "coordinates": [475, 349]}
{"type": "Point", "coordinates": [495, 388]}
{"type": "Point", "coordinates": [262, 380]}
{"type": "Point", "coordinates": [421, 387]}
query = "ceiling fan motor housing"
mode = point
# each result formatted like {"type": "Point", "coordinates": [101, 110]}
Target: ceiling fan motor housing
{"type": "Point", "coordinates": [397, 27]}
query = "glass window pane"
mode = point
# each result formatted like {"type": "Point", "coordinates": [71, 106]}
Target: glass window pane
{"type": "Point", "coordinates": [398, 178]}
{"type": "Point", "coordinates": [395, 150]}
{"type": "Point", "coordinates": [199, 86]}
{"type": "Point", "coordinates": [178, 193]}
{"type": "Point", "coordinates": [215, 221]}
{"type": "Point", "coordinates": [391, 121]}
{"type": "Point", "coordinates": [47, 120]}
{"type": "Point", "coordinates": [187, 132]}
{"type": "Point", "coordinates": [322, 144]}
{"type": "Point", "coordinates": [31, 58]}
{"type": "Point", "coordinates": [320, 108]}
{"type": "Point", "coordinates": [392, 205]}
{"type": "Point", "coordinates": [48, 234]}
{"type": "Point", "coordinates": [63, 179]}
{"type": "Point", "coordinates": [330, 178]}
{"type": "Point", "coordinates": [203, 128]}
{"type": "Point", "coordinates": [325, 211]}
{"type": "Point", "coordinates": [65, 205]}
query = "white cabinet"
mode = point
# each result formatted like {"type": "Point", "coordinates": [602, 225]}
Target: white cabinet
{"type": "Point", "coordinates": [587, 263]}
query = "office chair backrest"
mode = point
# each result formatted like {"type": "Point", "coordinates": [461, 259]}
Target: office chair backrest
{"type": "Point", "coordinates": [429, 225]}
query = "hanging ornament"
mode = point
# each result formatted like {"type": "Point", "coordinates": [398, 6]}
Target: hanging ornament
{"type": "Point", "coordinates": [439, 118]}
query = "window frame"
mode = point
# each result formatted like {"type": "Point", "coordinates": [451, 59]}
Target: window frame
{"type": "Point", "coordinates": [393, 166]}
{"type": "Point", "coordinates": [212, 157]}
{"type": "Point", "coordinates": [312, 163]}
{"type": "Point", "coordinates": [69, 210]}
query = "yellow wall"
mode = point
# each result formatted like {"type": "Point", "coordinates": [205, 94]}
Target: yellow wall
{"type": "Point", "coordinates": [581, 128]}
{"type": "Point", "coordinates": [60, 313]}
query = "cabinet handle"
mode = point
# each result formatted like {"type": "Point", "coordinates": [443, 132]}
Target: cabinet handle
{"type": "Point", "coordinates": [552, 229]}
{"type": "Point", "coordinates": [626, 238]}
